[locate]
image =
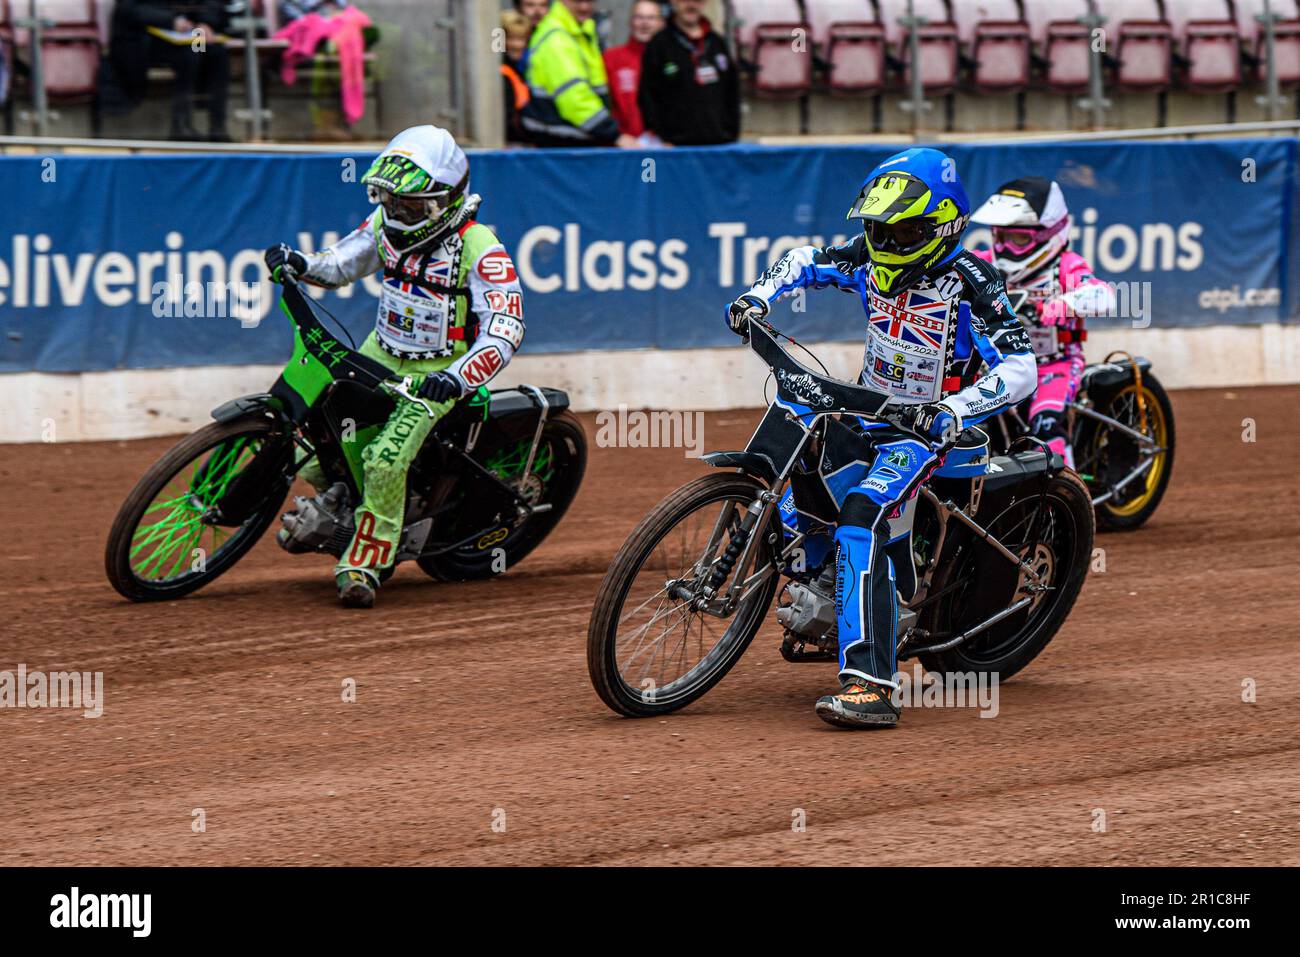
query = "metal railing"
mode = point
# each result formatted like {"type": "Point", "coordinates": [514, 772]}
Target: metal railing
{"type": "Point", "coordinates": [31, 144]}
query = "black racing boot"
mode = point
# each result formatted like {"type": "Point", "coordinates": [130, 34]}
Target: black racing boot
{"type": "Point", "coordinates": [357, 588]}
{"type": "Point", "coordinates": [860, 704]}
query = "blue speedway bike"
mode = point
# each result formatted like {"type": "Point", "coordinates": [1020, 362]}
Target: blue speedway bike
{"type": "Point", "coordinates": [989, 556]}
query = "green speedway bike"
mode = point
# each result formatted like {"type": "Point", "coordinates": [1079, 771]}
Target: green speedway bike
{"type": "Point", "coordinates": [493, 479]}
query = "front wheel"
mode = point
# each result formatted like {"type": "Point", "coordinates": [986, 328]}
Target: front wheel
{"type": "Point", "coordinates": [1052, 533]}
{"type": "Point", "coordinates": [650, 650]}
{"type": "Point", "coordinates": [166, 540]}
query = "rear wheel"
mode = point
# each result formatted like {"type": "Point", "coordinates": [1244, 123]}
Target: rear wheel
{"type": "Point", "coordinates": [554, 478]}
{"type": "Point", "coordinates": [1106, 455]}
{"type": "Point", "coordinates": [649, 649]}
{"type": "Point", "coordinates": [165, 542]}
{"type": "Point", "coordinates": [1053, 534]}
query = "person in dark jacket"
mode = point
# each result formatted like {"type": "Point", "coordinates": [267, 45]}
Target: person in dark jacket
{"type": "Point", "coordinates": [153, 32]}
{"type": "Point", "coordinates": [690, 87]}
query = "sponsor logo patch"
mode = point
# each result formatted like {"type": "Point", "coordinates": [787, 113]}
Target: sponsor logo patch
{"type": "Point", "coordinates": [497, 267]}
{"type": "Point", "coordinates": [506, 327]}
{"type": "Point", "coordinates": [482, 367]}
{"type": "Point", "coordinates": [511, 303]}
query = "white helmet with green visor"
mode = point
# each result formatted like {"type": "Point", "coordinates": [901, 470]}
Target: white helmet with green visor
{"type": "Point", "coordinates": [419, 181]}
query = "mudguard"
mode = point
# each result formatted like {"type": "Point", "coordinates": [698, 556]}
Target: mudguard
{"type": "Point", "coordinates": [751, 463]}
{"type": "Point", "coordinates": [257, 402]}
{"type": "Point", "coordinates": [1107, 376]}
{"type": "Point", "coordinates": [506, 402]}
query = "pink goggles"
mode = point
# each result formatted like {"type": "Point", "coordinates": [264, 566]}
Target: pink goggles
{"type": "Point", "coordinates": [1019, 241]}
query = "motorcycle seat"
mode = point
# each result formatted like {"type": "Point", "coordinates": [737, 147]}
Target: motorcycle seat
{"type": "Point", "coordinates": [1004, 470]}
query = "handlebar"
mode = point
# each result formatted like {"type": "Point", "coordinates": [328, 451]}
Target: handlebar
{"type": "Point", "coordinates": [826, 395]}
{"type": "Point", "coordinates": [403, 388]}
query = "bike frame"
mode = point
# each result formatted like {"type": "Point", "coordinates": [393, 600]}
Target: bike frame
{"type": "Point", "coordinates": [320, 362]}
{"type": "Point", "coordinates": [758, 515]}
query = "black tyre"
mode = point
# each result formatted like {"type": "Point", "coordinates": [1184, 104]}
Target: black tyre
{"type": "Point", "coordinates": [163, 544]}
{"type": "Point", "coordinates": [664, 553]}
{"type": "Point", "coordinates": [1105, 455]}
{"type": "Point", "coordinates": [1054, 535]}
{"type": "Point", "coordinates": [555, 476]}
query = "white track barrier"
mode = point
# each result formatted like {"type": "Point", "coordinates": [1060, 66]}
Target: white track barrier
{"type": "Point", "coordinates": [139, 403]}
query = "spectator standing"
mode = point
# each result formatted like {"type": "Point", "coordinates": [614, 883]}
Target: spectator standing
{"type": "Point", "coordinates": [166, 33]}
{"type": "Point", "coordinates": [570, 103]}
{"type": "Point", "coordinates": [534, 10]}
{"type": "Point", "coordinates": [623, 64]}
{"type": "Point", "coordinates": [515, 90]}
{"type": "Point", "coordinates": [690, 88]}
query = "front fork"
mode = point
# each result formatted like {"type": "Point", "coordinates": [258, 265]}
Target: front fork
{"type": "Point", "coordinates": [709, 596]}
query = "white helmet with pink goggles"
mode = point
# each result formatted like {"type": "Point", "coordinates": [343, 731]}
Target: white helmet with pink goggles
{"type": "Point", "coordinates": [1031, 226]}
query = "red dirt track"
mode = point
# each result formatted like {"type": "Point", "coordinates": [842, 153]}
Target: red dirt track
{"type": "Point", "coordinates": [475, 697]}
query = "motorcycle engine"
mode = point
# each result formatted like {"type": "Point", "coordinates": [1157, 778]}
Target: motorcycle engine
{"type": "Point", "coordinates": [808, 616]}
{"type": "Point", "coordinates": [320, 524]}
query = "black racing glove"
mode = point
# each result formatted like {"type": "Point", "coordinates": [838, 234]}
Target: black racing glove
{"type": "Point", "coordinates": [277, 257]}
{"type": "Point", "coordinates": [931, 419]}
{"type": "Point", "coordinates": [744, 310]}
{"type": "Point", "coordinates": [439, 387]}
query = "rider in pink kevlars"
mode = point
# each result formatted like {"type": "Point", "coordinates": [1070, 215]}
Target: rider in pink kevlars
{"type": "Point", "coordinates": [1031, 240]}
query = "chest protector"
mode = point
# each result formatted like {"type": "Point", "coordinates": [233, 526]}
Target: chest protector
{"type": "Point", "coordinates": [911, 339]}
{"type": "Point", "coordinates": [423, 303]}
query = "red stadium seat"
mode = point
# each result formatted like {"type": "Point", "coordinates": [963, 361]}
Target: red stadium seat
{"type": "Point", "coordinates": [1001, 53]}
{"type": "Point", "coordinates": [1286, 38]}
{"type": "Point", "coordinates": [1208, 39]}
{"type": "Point", "coordinates": [1062, 42]}
{"type": "Point", "coordinates": [1144, 49]}
{"type": "Point", "coordinates": [1068, 54]}
{"type": "Point", "coordinates": [765, 40]}
{"type": "Point", "coordinates": [938, 46]}
{"type": "Point", "coordinates": [1142, 44]}
{"type": "Point", "coordinates": [69, 49]}
{"type": "Point", "coordinates": [851, 42]}
{"type": "Point", "coordinates": [997, 41]}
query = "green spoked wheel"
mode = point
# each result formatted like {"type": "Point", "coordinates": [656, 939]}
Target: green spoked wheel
{"type": "Point", "coordinates": [198, 509]}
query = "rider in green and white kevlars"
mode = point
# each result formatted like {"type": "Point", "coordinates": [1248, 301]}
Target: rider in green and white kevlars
{"type": "Point", "coordinates": [450, 311]}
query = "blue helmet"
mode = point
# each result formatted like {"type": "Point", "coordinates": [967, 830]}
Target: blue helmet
{"type": "Point", "coordinates": [914, 210]}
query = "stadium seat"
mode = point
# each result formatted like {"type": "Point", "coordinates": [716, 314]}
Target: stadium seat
{"type": "Point", "coordinates": [765, 32]}
{"type": "Point", "coordinates": [997, 39]}
{"type": "Point", "coordinates": [1286, 38]}
{"type": "Point", "coordinates": [851, 42]}
{"type": "Point", "coordinates": [938, 44]}
{"type": "Point", "coordinates": [1208, 40]}
{"type": "Point", "coordinates": [69, 49]}
{"type": "Point", "coordinates": [1063, 42]}
{"type": "Point", "coordinates": [1143, 43]}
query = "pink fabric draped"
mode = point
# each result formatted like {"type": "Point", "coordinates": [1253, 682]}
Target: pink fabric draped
{"type": "Point", "coordinates": [305, 34]}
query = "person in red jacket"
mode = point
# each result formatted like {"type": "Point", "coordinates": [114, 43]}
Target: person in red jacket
{"type": "Point", "coordinates": [624, 65]}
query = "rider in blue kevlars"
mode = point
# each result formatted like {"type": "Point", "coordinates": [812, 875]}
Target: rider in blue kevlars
{"type": "Point", "coordinates": [937, 312]}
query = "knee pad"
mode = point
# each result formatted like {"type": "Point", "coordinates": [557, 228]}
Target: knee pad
{"type": "Point", "coordinates": [858, 510]}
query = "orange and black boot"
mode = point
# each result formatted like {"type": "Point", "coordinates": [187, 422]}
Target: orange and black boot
{"type": "Point", "coordinates": [860, 704]}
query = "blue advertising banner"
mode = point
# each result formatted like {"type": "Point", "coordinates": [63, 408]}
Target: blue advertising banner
{"type": "Point", "coordinates": [616, 249]}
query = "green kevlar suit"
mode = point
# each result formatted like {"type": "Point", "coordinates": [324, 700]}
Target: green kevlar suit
{"type": "Point", "coordinates": [385, 461]}
{"type": "Point", "coordinates": [452, 305]}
